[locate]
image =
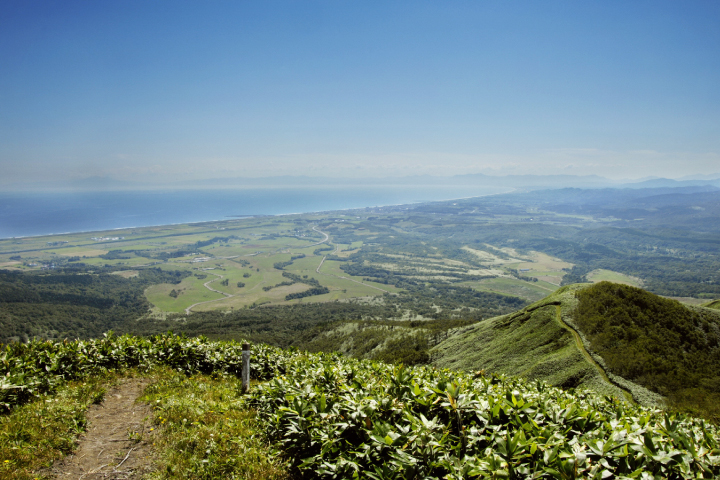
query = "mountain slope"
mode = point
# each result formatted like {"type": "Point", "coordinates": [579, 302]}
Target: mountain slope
{"type": "Point", "coordinates": [614, 339]}
{"type": "Point", "coordinates": [667, 347]}
{"type": "Point", "coordinates": [537, 343]}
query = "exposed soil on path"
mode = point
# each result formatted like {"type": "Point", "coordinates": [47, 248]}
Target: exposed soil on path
{"type": "Point", "coordinates": [118, 441]}
{"type": "Point", "coordinates": [579, 343]}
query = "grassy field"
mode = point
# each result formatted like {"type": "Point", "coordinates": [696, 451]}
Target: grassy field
{"type": "Point", "coordinates": [543, 267]}
{"type": "Point", "coordinates": [349, 282]}
{"type": "Point", "coordinates": [191, 291]}
{"type": "Point", "coordinates": [531, 291]}
{"type": "Point", "coordinates": [601, 275]}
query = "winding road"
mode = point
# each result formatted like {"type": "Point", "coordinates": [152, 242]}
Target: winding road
{"type": "Point", "coordinates": [317, 270]}
{"type": "Point", "coordinates": [207, 285]}
{"type": "Point", "coordinates": [327, 237]}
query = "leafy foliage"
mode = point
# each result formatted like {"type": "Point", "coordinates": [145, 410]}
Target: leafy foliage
{"type": "Point", "coordinates": [343, 418]}
{"type": "Point", "coordinates": [335, 417]}
{"type": "Point", "coordinates": [28, 370]}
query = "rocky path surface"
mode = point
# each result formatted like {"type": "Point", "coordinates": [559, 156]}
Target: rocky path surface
{"type": "Point", "coordinates": [118, 442]}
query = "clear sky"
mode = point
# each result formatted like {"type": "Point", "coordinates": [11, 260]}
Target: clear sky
{"type": "Point", "coordinates": [169, 90]}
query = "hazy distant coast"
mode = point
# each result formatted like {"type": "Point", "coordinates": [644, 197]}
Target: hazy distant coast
{"type": "Point", "coordinates": [105, 184]}
{"type": "Point", "coordinates": [102, 203]}
{"type": "Point", "coordinates": [44, 213]}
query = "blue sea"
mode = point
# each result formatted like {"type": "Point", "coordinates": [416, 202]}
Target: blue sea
{"type": "Point", "coordinates": [31, 214]}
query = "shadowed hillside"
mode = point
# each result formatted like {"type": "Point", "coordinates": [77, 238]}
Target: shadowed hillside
{"type": "Point", "coordinates": [659, 343]}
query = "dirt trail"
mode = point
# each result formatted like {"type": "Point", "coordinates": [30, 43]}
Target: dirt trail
{"type": "Point", "coordinates": [588, 357]}
{"type": "Point", "coordinates": [118, 442]}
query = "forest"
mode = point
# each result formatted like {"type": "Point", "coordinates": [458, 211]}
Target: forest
{"type": "Point", "coordinates": [73, 303]}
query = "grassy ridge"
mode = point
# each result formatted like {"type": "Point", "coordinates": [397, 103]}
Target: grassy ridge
{"type": "Point", "coordinates": [532, 343]}
{"type": "Point", "coordinates": [658, 343]}
{"type": "Point", "coordinates": [715, 304]}
{"type": "Point", "coordinates": [652, 348]}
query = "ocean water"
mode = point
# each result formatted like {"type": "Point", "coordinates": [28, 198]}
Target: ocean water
{"type": "Point", "coordinates": [29, 214]}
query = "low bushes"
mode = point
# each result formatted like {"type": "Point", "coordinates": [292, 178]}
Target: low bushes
{"type": "Point", "coordinates": [31, 369]}
{"type": "Point", "coordinates": [335, 417]}
{"type": "Point", "coordinates": [343, 418]}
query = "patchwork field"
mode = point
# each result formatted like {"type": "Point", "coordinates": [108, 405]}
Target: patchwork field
{"type": "Point", "coordinates": [293, 259]}
{"type": "Point", "coordinates": [543, 267]}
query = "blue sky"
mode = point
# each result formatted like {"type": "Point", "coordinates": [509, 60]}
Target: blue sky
{"type": "Point", "coordinates": [173, 90]}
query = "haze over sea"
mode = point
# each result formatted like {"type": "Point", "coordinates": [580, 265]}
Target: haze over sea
{"type": "Point", "coordinates": [29, 214]}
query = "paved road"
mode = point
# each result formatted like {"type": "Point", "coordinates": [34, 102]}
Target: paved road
{"type": "Point", "coordinates": [207, 285]}
{"type": "Point", "coordinates": [327, 237]}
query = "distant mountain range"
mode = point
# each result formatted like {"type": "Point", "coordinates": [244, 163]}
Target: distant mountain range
{"type": "Point", "coordinates": [522, 182]}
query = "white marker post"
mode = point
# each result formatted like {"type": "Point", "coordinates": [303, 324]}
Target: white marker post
{"type": "Point", "coordinates": [245, 367]}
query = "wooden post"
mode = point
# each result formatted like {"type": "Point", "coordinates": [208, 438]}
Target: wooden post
{"type": "Point", "coordinates": [245, 367]}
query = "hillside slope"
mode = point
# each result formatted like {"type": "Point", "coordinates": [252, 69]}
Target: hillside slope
{"type": "Point", "coordinates": [327, 416]}
{"type": "Point", "coordinates": [536, 342]}
{"type": "Point", "coordinates": [667, 347]}
{"type": "Point", "coordinates": [715, 304]}
{"type": "Point", "coordinates": [611, 338]}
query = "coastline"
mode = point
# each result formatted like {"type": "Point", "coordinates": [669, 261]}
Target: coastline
{"type": "Point", "coordinates": [505, 190]}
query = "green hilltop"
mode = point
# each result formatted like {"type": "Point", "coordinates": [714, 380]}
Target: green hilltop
{"type": "Point", "coordinates": [715, 304]}
{"type": "Point", "coordinates": [611, 338]}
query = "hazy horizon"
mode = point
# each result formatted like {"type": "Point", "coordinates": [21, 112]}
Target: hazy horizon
{"type": "Point", "coordinates": [168, 92]}
{"type": "Point", "coordinates": [523, 182]}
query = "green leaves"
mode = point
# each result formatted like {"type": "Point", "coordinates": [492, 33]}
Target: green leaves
{"type": "Point", "coordinates": [336, 417]}
{"type": "Point", "coordinates": [31, 369]}
{"type": "Point", "coordinates": [359, 419]}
